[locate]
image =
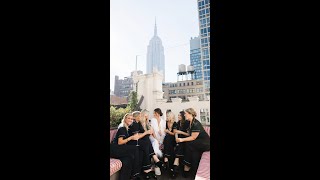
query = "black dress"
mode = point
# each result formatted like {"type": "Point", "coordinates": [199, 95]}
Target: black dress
{"type": "Point", "coordinates": [146, 138]}
{"type": "Point", "coordinates": [145, 147]}
{"type": "Point", "coordinates": [127, 154]}
{"type": "Point", "coordinates": [169, 143]}
{"type": "Point", "coordinates": [179, 150]}
{"type": "Point", "coordinates": [194, 149]}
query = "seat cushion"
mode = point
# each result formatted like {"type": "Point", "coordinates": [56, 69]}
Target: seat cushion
{"type": "Point", "coordinates": [203, 171]}
{"type": "Point", "coordinates": [113, 133]}
{"type": "Point", "coordinates": [115, 165]}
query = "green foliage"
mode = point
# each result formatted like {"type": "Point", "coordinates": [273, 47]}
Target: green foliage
{"type": "Point", "coordinates": [133, 100]}
{"type": "Point", "coordinates": [116, 115]}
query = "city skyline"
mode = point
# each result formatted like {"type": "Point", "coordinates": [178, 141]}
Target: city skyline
{"type": "Point", "coordinates": [204, 25]}
{"type": "Point", "coordinates": [132, 27]}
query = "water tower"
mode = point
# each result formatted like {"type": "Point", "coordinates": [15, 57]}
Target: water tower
{"type": "Point", "coordinates": [190, 72]}
{"type": "Point", "coordinates": [182, 71]}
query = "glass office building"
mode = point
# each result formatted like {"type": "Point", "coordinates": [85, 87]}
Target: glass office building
{"type": "Point", "coordinates": [195, 57]}
{"type": "Point", "coordinates": [204, 26]}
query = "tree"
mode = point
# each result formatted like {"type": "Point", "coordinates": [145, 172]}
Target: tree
{"type": "Point", "coordinates": [133, 101]}
{"type": "Point", "coordinates": [116, 115]}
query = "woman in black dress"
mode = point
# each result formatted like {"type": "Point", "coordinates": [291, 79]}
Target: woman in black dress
{"type": "Point", "coordinates": [145, 146]}
{"type": "Point", "coordinates": [169, 142]}
{"type": "Point", "coordinates": [180, 129]}
{"type": "Point", "coordinates": [195, 144]}
{"type": "Point", "coordinates": [127, 154]}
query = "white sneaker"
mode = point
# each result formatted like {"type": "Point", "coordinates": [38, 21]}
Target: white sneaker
{"type": "Point", "coordinates": [157, 171]}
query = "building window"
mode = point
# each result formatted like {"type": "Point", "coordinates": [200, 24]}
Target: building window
{"type": "Point", "coordinates": [204, 116]}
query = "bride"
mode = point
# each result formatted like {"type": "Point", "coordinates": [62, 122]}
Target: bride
{"type": "Point", "coordinates": [159, 125]}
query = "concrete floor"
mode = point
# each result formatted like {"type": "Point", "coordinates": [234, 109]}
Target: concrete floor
{"type": "Point", "coordinates": [166, 176]}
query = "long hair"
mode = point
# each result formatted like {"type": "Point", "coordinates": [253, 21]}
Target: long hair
{"type": "Point", "coordinates": [171, 118]}
{"type": "Point", "coordinates": [135, 114]}
{"type": "Point", "coordinates": [143, 119]}
{"type": "Point", "coordinates": [123, 124]}
{"type": "Point", "coordinates": [183, 118]}
{"type": "Point", "coordinates": [158, 110]}
{"type": "Point", "coordinates": [191, 111]}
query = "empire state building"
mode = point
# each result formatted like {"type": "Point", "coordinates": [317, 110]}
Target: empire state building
{"type": "Point", "coordinates": [155, 55]}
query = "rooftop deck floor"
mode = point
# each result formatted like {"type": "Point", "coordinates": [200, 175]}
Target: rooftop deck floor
{"type": "Point", "coordinates": [166, 176]}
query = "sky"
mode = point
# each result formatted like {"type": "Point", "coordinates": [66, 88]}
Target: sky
{"type": "Point", "coordinates": [132, 27]}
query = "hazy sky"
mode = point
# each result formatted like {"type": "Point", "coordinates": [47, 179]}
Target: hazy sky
{"type": "Point", "coordinates": [132, 27]}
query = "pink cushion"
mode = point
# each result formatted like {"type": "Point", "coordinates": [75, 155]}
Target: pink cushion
{"type": "Point", "coordinates": [203, 172]}
{"type": "Point", "coordinates": [115, 165]}
{"type": "Point", "coordinates": [207, 129]}
{"type": "Point", "coordinates": [113, 133]}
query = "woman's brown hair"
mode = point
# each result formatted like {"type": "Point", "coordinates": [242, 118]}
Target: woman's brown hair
{"type": "Point", "coordinates": [191, 111]}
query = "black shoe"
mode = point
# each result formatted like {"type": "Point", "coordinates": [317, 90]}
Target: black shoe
{"type": "Point", "coordinates": [173, 173]}
{"type": "Point", "coordinates": [185, 174]}
{"type": "Point", "coordinates": [160, 165]}
{"type": "Point", "coordinates": [166, 165]}
{"type": "Point", "coordinates": [147, 175]}
{"type": "Point", "coordinates": [176, 168]}
{"type": "Point", "coordinates": [136, 177]}
{"type": "Point", "coordinates": [153, 175]}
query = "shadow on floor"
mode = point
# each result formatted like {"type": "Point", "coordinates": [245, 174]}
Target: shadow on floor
{"type": "Point", "coordinates": [166, 176]}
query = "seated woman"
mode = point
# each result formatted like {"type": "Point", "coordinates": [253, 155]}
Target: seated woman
{"type": "Point", "coordinates": [180, 129]}
{"type": "Point", "coordinates": [144, 139]}
{"type": "Point", "coordinates": [158, 125]}
{"type": "Point", "coordinates": [169, 143]}
{"type": "Point", "coordinates": [145, 147]}
{"type": "Point", "coordinates": [127, 154]}
{"type": "Point", "coordinates": [195, 144]}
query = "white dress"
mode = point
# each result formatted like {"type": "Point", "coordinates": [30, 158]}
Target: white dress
{"type": "Point", "coordinates": [159, 133]}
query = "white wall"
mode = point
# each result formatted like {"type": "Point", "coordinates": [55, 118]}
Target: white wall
{"type": "Point", "coordinates": [150, 86]}
{"type": "Point", "coordinates": [176, 107]}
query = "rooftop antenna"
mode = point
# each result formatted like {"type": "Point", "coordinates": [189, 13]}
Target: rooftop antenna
{"type": "Point", "coordinates": [155, 26]}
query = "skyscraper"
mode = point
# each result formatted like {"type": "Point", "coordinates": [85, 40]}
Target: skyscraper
{"type": "Point", "coordinates": [155, 54]}
{"type": "Point", "coordinates": [195, 57]}
{"type": "Point", "coordinates": [204, 26]}
{"type": "Point", "coordinates": [123, 87]}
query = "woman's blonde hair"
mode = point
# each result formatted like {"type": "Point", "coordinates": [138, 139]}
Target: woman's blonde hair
{"type": "Point", "coordinates": [171, 117]}
{"type": "Point", "coordinates": [136, 114]}
{"type": "Point", "coordinates": [123, 124]}
{"type": "Point", "coordinates": [191, 111]}
{"type": "Point", "coordinates": [143, 119]}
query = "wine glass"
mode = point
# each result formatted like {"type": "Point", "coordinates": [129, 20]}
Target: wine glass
{"type": "Point", "coordinates": [177, 136]}
{"type": "Point", "coordinates": [137, 140]}
{"type": "Point", "coordinates": [135, 130]}
{"type": "Point", "coordinates": [136, 133]}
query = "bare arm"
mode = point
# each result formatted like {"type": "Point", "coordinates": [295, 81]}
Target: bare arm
{"type": "Point", "coordinates": [193, 136]}
{"type": "Point", "coordinates": [167, 131]}
{"type": "Point", "coordinates": [180, 132]}
{"type": "Point", "coordinates": [152, 132]}
{"type": "Point", "coordinates": [124, 141]}
{"type": "Point", "coordinates": [141, 135]}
